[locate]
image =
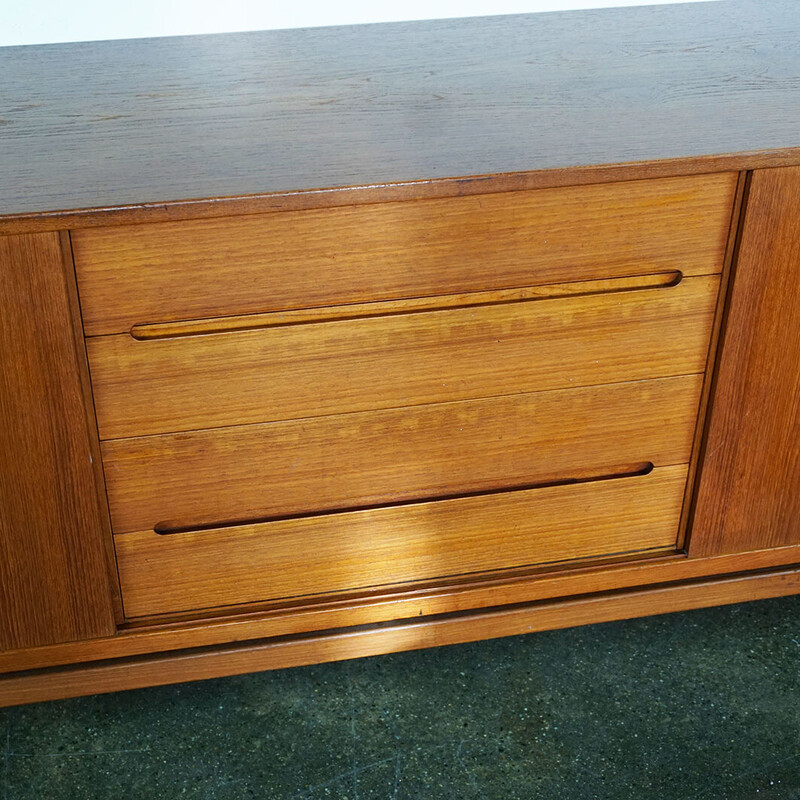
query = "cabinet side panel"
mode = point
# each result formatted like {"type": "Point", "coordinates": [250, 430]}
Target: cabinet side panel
{"type": "Point", "coordinates": [54, 583]}
{"type": "Point", "coordinates": [749, 493]}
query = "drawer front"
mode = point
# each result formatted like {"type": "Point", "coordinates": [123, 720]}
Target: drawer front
{"type": "Point", "coordinates": [256, 472]}
{"type": "Point", "coordinates": [138, 274]}
{"type": "Point", "coordinates": [320, 402]}
{"type": "Point", "coordinates": [189, 382]}
{"type": "Point", "coordinates": [163, 574]}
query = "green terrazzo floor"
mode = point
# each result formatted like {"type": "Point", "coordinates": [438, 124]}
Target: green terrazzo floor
{"type": "Point", "coordinates": [704, 704]}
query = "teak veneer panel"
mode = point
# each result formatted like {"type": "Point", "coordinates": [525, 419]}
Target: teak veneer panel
{"type": "Point", "coordinates": [205, 381]}
{"type": "Point", "coordinates": [335, 552]}
{"type": "Point", "coordinates": [251, 472]}
{"type": "Point", "coordinates": [749, 494]}
{"type": "Point", "coordinates": [54, 584]}
{"type": "Point", "coordinates": [133, 275]}
{"type": "Point", "coordinates": [292, 112]}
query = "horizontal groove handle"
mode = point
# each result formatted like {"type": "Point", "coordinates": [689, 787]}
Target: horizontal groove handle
{"type": "Point", "coordinates": [385, 308]}
{"type": "Point", "coordinates": [626, 471]}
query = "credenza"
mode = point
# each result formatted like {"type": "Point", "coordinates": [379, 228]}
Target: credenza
{"type": "Point", "coordinates": [326, 343]}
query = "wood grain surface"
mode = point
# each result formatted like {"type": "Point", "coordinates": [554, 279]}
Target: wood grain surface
{"type": "Point", "coordinates": [713, 354]}
{"type": "Point", "coordinates": [239, 658]}
{"type": "Point", "coordinates": [155, 120]}
{"type": "Point", "coordinates": [187, 383]}
{"type": "Point", "coordinates": [346, 118]}
{"type": "Point", "coordinates": [255, 471]}
{"type": "Point", "coordinates": [142, 274]}
{"type": "Point", "coordinates": [54, 583]}
{"type": "Point", "coordinates": [749, 494]}
{"type": "Point", "coordinates": [384, 308]}
{"type": "Point", "coordinates": [163, 574]}
{"type": "Point", "coordinates": [371, 607]}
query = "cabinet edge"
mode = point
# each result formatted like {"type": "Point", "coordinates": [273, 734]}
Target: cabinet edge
{"type": "Point", "coordinates": [339, 645]}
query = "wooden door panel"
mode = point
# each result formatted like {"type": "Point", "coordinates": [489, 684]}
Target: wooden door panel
{"type": "Point", "coordinates": [54, 579]}
{"type": "Point", "coordinates": [749, 492]}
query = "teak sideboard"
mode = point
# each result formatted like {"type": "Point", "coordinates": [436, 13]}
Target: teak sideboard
{"type": "Point", "coordinates": [318, 344]}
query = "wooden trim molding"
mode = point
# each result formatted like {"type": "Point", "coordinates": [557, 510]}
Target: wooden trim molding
{"type": "Point", "coordinates": [336, 197]}
{"type": "Point", "coordinates": [241, 624]}
{"type": "Point", "coordinates": [293, 651]}
{"type": "Point", "coordinates": [734, 232]}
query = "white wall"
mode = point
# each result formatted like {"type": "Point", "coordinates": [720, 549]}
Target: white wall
{"type": "Point", "coordinates": [43, 21]}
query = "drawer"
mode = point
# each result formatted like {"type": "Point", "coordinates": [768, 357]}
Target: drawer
{"type": "Point", "coordinates": [247, 473]}
{"type": "Point", "coordinates": [316, 403]}
{"type": "Point", "coordinates": [138, 274]}
{"type": "Point", "coordinates": [286, 371]}
{"type": "Point", "coordinates": [167, 574]}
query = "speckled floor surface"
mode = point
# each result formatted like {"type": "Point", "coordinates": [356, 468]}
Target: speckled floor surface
{"type": "Point", "coordinates": [704, 704]}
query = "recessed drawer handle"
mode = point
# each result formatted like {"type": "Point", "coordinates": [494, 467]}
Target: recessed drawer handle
{"type": "Point", "coordinates": [168, 330]}
{"type": "Point", "coordinates": [623, 471]}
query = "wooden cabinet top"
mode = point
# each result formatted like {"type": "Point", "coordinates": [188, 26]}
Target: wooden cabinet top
{"type": "Point", "coordinates": [129, 126]}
